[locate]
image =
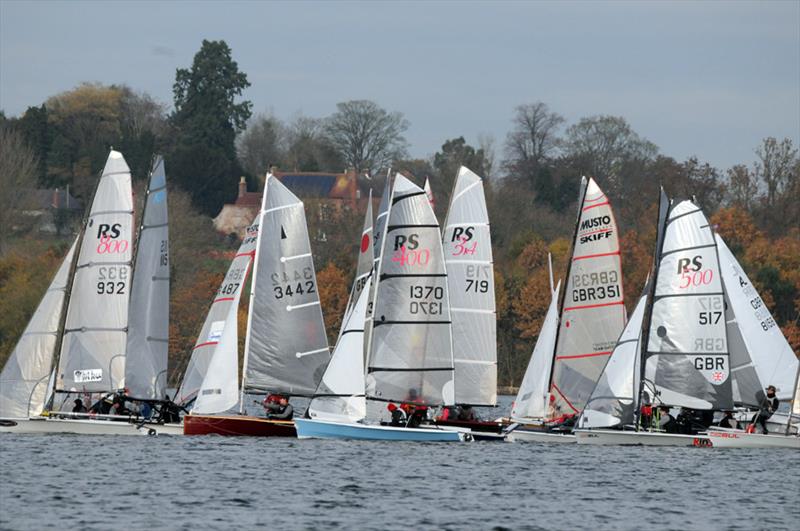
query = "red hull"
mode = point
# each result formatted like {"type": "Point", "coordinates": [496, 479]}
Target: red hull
{"type": "Point", "coordinates": [239, 425]}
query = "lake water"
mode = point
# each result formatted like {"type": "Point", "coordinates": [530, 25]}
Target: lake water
{"type": "Point", "coordinates": [215, 482]}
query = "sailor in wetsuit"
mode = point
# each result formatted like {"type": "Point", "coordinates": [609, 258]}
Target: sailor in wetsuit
{"type": "Point", "coordinates": [283, 410]}
{"type": "Point", "coordinates": [769, 405]}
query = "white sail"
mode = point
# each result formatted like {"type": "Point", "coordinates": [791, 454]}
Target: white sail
{"type": "Point", "coordinates": [379, 235]}
{"type": "Point", "coordinates": [219, 390]}
{"type": "Point", "coordinates": [796, 398]}
{"type": "Point", "coordinates": [593, 312]}
{"type": "Point", "coordinates": [340, 395]}
{"type": "Point", "coordinates": [533, 397]}
{"type": "Point", "coordinates": [411, 356]}
{"type": "Point", "coordinates": [760, 354]}
{"type": "Point", "coordinates": [286, 345]}
{"type": "Point", "coordinates": [227, 295]}
{"type": "Point", "coordinates": [612, 402]}
{"type": "Point", "coordinates": [687, 346]}
{"type": "Point", "coordinates": [95, 335]}
{"type": "Point", "coordinates": [23, 382]}
{"type": "Point", "coordinates": [148, 324]}
{"type": "Point", "coordinates": [429, 191]}
{"type": "Point", "coordinates": [470, 279]}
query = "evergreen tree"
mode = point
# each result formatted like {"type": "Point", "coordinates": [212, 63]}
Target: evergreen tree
{"type": "Point", "coordinates": [206, 120]}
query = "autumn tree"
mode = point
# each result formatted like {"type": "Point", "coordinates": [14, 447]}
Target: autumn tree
{"type": "Point", "coordinates": [367, 136]}
{"type": "Point", "coordinates": [333, 294]}
{"type": "Point", "coordinates": [308, 148]}
{"type": "Point", "coordinates": [600, 144]}
{"type": "Point", "coordinates": [261, 145]}
{"type": "Point", "coordinates": [533, 139]}
{"type": "Point", "coordinates": [18, 170]}
{"type": "Point", "coordinates": [207, 118]}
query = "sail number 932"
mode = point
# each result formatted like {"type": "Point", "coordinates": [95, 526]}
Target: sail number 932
{"type": "Point", "coordinates": [112, 280]}
{"type": "Point", "coordinates": [426, 300]}
{"type": "Point", "coordinates": [289, 284]}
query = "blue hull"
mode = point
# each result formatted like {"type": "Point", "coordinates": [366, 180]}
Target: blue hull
{"type": "Point", "coordinates": [323, 429]}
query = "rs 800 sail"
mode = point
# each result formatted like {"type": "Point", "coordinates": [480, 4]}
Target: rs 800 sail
{"type": "Point", "coordinates": [92, 354]}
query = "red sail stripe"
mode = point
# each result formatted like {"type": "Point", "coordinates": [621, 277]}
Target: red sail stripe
{"type": "Point", "coordinates": [576, 356]}
{"type": "Point", "coordinates": [565, 398]}
{"type": "Point", "coordinates": [222, 299]}
{"type": "Point", "coordinates": [595, 232]}
{"type": "Point", "coordinates": [615, 253]}
{"type": "Point", "coordinates": [595, 206]}
{"type": "Point", "coordinates": [207, 343]}
{"type": "Point", "coordinates": [598, 198]}
{"type": "Point", "coordinates": [593, 306]}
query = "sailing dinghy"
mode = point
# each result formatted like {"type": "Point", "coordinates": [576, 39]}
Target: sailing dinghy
{"type": "Point", "coordinates": [286, 348]}
{"type": "Point", "coordinates": [760, 356]}
{"type": "Point", "coordinates": [100, 329]}
{"type": "Point", "coordinates": [684, 356]}
{"type": "Point", "coordinates": [578, 333]}
{"type": "Point", "coordinates": [410, 356]}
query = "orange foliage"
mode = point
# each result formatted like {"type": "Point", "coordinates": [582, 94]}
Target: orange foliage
{"type": "Point", "coordinates": [333, 294]}
{"type": "Point", "coordinates": [531, 305]}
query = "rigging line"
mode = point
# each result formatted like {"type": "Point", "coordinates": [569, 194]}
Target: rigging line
{"type": "Point", "coordinates": [111, 174]}
{"type": "Point", "coordinates": [565, 398]}
{"type": "Point", "coordinates": [406, 369]}
{"type": "Point", "coordinates": [99, 264]}
{"type": "Point", "coordinates": [376, 324]}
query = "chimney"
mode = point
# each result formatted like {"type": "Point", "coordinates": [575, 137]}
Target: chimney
{"type": "Point", "coordinates": [56, 201]}
{"type": "Point", "coordinates": [242, 187]}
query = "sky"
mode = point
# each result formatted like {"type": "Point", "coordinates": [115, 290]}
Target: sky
{"type": "Point", "coordinates": [709, 79]}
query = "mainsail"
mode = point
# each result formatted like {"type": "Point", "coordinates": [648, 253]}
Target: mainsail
{"type": "Point", "coordinates": [470, 280]}
{"type": "Point", "coordinates": [613, 400]}
{"type": "Point", "coordinates": [411, 354]}
{"type": "Point", "coordinates": [23, 382]}
{"type": "Point", "coordinates": [148, 324]}
{"type": "Point", "coordinates": [340, 395]}
{"type": "Point", "coordinates": [687, 345]}
{"type": "Point", "coordinates": [286, 347]}
{"type": "Point", "coordinates": [532, 400]}
{"type": "Point", "coordinates": [227, 295]}
{"type": "Point", "coordinates": [593, 311]}
{"type": "Point", "coordinates": [760, 354]}
{"type": "Point", "coordinates": [93, 347]}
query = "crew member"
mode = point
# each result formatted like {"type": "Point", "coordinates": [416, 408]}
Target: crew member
{"type": "Point", "coordinates": [285, 411]}
{"type": "Point", "coordinates": [769, 405]}
{"type": "Point", "coordinates": [79, 407]}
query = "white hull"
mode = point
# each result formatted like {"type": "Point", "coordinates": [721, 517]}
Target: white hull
{"type": "Point", "coordinates": [86, 427]}
{"type": "Point", "coordinates": [739, 439]}
{"type": "Point", "coordinates": [521, 435]}
{"type": "Point", "coordinates": [638, 438]}
{"type": "Point", "coordinates": [323, 429]}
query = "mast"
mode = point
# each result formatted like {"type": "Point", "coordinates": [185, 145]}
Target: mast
{"type": "Point", "coordinates": [794, 405]}
{"type": "Point", "coordinates": [663, 211]}
{"type": "Point", "coordinates": [260, 217]}
{"type": "Point", "coordinates": [563, 294]}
